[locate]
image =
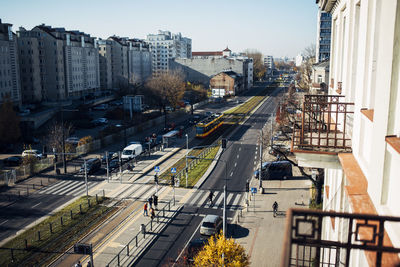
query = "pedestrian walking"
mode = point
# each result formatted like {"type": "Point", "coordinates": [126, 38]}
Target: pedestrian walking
{"type": "Point", "coordinates": [78, 264]}
{"type": "Point", "coordinates": [89, 264]}
{"type": "Point", "coordinates": [145, 209]}
{"type": "Point", "coordinates": [210, 197]}
{"type": "Point", "coordinates": [152, 214]}
{"type": "Point", "coordinates": [150, 200]}
{"type": "Point", "coordinates": [155, 201]}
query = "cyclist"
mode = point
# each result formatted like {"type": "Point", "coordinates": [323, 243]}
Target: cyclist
{"type": "Point", "coordinates": [275, 207]}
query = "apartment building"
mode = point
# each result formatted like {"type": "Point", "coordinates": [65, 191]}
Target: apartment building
{"type": "Point", "coordinates": [165, 46]}
{"type": "Point", "coordinates": [323, 44]}
{"type": "Point", "coordinates": [9, 65]}
{"type": "Point", "coordinates": [353, 133]}
{"type": "Point", "coordinates": [68, 61]}
{"type": "Point", "coordinates": [269, 62]}
{"type": "Point", "coordinates": [139, 61]}
{"type": "Point", "coordinates": [123, 61]}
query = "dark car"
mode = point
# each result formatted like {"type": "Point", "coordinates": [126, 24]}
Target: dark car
{"type": "Point", "coordinates": [12, 161]}
{"type": "Point", "coordinates": [193, 248]}
{"type": "Point", "coordinates": [92, 165]}
{"type": "Point", "coordinates": [109, 156]}
{"type": "Point", "coordinates": [113, 164]}
{"type": "Point", "coordinates": [275, 170]}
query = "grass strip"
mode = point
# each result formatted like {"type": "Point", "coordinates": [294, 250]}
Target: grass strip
{"type": "Point", "coordinates": [193, 174]}
{"type": "Point", "coordinates": [56, 234]}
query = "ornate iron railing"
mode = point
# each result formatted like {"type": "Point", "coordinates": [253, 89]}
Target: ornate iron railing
{"type": "Point", "coordinates": [324, 124]}
{"type": "Point", "coordinates": [306, 245]}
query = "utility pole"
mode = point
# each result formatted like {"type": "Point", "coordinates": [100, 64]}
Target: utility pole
{"type": "Point", "coordinates": [108, 171]}
{"type": "Point", "coordinates": [86, 176]}
{"type": "Point", "coordinates": [63, 140]}
{"type": "Point", "coordinates": [223, 146]}
{"type": "Point", "coordinates": [261, 157]}
{"type": "Point", "coordinates": [187, 150]}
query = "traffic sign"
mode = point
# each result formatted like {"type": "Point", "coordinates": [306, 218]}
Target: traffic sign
{"type": "Point", "coordinates": [157, 168]}
{"type": "Point", "coordinates": [254, 190]}
{"type": "Point", "coordinates": [173, 170]}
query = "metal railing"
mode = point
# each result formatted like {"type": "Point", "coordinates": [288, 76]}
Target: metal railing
{"type": "Point", "coordinates": [134, 245]}
{"type": "Point", "coordinates": [324, 124]}
{"type": "Point", "coordinates": [307, 244]}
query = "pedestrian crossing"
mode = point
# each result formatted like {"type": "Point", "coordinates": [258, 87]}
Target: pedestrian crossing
{"type": "Point", "coordinates": [200, 199]}
{"type": "Point", "coordinates": [67, 188]}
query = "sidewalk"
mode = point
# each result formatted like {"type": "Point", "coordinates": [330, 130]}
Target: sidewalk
{"type": "Point", "coordinates": [257, 230]}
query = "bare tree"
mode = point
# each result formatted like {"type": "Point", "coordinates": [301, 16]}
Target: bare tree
{"type": "Point", "coordinates": [55, 134]}
{"type": "Point", "coordinates": [166, 88]}
{"type": "Point", "coordinates": [195, 93]}
{"type": "Point", "coordinates": [259, 69]}
{"type": "Point", "coordinates": [306, 67]}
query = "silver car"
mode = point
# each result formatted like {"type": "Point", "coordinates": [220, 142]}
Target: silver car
{"type": "Point", "coordinates": [211, 225]}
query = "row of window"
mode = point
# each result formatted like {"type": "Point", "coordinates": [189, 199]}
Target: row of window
{"type": "Point", "coordinates": [4, 61]}
{"type": "Point", "coordinates": [5, 84]}
{"type": "Point", "coordinates": [5, 73]}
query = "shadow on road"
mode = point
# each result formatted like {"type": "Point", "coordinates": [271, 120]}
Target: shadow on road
{"type": "Point", "coordinates": [237, 231]}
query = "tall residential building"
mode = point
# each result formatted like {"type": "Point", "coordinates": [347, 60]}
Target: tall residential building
{"type": "Point", "coordinates": [123, 61]}
{"type": "Point", "coordinates": [323, 47]}
{"type": "Point", "coordinates": [68, 61]}
{"type": "Point", "coordinates": [353, 133]}
{"type": "Point", "coordinates": [165, 46]}
{"type": "Point", "coordinates": [9, 65]}
{"type": "Point", "coordinates": [269, 62]}
{"type": "Point", "coordinates": [139, 61]}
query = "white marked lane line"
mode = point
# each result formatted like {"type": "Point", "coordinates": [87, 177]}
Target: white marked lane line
{"type": "Point", "coordinates": [235, 164]}
{"type": "Point", "coordinates": [231, 173]}
{"type": "Point", "coordinates": [34, 206]}
{"type": "Point", "coordinates": [4, 222]}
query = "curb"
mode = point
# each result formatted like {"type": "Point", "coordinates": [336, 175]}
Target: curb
{"type": "Point", "coordinates": [209, 170]}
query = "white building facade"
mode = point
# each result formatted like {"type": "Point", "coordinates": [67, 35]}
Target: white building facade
{"type": "Point", "coordinates": [165, 46]}
{"type": "Point", "coordinates": [365, 69]}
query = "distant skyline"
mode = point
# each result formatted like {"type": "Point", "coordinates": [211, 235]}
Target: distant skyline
{"type": "Point", "coordinates": [278, 28]}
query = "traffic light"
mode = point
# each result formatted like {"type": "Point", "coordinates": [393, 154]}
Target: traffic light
{"type": "Point", "coordinates": [247, 186]}
{"type": "Point", "coordinates": [156, 179]}
{"type": "Point", "coordinates": [173, 180]}
{"type": "Point", "coordinates": [223, 143]}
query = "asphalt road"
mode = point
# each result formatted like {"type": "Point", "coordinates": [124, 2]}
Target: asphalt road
{"type": "Point", "coordinates": [241, 156]}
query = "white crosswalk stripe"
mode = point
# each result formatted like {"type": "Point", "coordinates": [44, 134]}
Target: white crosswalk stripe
{"type": "Point", "coordinates": [219, 201]}
{"type": "Point", "coordinates": [200, 199]}
{"type": "Point", "coordinates": [67, 187]}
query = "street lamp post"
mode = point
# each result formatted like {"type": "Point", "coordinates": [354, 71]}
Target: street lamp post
{"type": "Point", "coordinates": [187, 150]}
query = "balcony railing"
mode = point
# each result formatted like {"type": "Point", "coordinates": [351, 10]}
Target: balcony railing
{"type": "Point", "coordinates": [306, 244]}
{"type": "Point", "coordinates": [324, 126]}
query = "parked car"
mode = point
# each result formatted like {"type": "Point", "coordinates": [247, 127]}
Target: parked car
{"type": "Point", "coordinates": [74, 140]}
{"type": "Point", "coordinates": [92, 165]}
{"type": "Point", "coordinates": [110, 156]}
{"type": "Point", "coordinates": [12, 161]}
{"type": "Point", "coordinates": [113, 164]}
{"type": "Point", "coordinates": [211, 225]}
{"type": "Point", "coordinates": [131, 151]}
{"type": "Point", "coordinates": [99, 121]}
{"type": "Point", "coordinates": [32, 152]}
{"type": "Point", "coordinates": [101, 107]}
{"type": "Point", "coordinates": [275, 170]}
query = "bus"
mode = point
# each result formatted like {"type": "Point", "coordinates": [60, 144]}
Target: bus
{"type": "Point", "coordinates": [209, 125]}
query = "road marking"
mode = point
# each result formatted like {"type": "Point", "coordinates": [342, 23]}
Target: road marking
{"type": "Point", "coordinates": [236, 201]}
{"type": "Point", "coordinates": [4, 222]}
{"type": "Point", "coordinates": [237, 156]}
{"type": "Point", "coordinates": [240, 148]}
{"type": "Point", "coordinates": [197, 195]}
{"type": "Point", "coordinates": [231, 173]}
{"type": "Point", "coordinates": [34, 206]}
{"type": "Point", "coordinates": [218, 202]}
{"type": "Point", "coordinates": [235, 164]}
{"type": "Point", "coordinates": [187, 243]}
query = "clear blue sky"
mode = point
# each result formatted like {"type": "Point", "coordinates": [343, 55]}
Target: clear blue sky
{"type": "Point", "coordinates": [274, 27]}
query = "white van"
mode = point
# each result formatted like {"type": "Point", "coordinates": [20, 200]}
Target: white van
{"type": "Point", "coordinates": [131, 151]}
